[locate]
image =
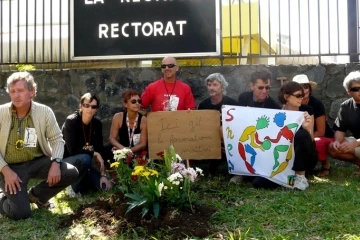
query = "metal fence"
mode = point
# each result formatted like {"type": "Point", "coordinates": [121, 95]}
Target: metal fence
{"type": "Point", "coordinates": [253, 32]}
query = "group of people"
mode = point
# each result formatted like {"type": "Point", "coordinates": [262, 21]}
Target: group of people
{"type": "Point", "coordinates": [34, 147]}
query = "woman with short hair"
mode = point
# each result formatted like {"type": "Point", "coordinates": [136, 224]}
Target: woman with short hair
{"type": "Point", "coordinates": [82, 133]}
{"type": "Point", "coordinates": [129, 128]}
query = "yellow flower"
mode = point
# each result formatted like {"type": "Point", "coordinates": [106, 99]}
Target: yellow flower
{"type": "Point", "coordinates": [114, 165]}
{"type": "Point", "coordinates": [153, 172]}
{"type": "Point", "coordinates": [138, 170]}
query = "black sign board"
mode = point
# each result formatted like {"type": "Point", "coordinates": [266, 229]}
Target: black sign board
{"type": "Point", "coordinates": [129, 29]}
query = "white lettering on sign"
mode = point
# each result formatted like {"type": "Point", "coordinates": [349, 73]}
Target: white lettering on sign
{"type": "Point", "coordinates": [123, 30]}
{"type": "Point", "coordinates": [142, 29]}
{"type": "Point", "coordinates": [103, 28]}
{"type": "Point", "coordinates": [93, 1]}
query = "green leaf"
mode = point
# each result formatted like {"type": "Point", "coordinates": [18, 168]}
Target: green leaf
{"type": "Point", "coordinates": [144, 211]}
{"type": "Point", "coordinates": [156, 208]}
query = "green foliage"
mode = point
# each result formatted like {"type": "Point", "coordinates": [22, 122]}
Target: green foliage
{"type": "Point", "coordinates": [25, 67]}
{"type": "Point", "coordinates": [329, 209]}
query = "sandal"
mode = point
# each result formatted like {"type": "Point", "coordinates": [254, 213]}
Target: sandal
{"type": "Point", "coordinates": [324, 172]}
{"type": "Point", "coordinates": [39, 204]}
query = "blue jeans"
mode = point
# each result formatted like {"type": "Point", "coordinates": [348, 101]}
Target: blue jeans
{"type": "Point", "coordinates": [89, 177]}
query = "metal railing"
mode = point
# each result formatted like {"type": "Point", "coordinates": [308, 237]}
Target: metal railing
{"type": "Point", "coordinates": [262, 31]}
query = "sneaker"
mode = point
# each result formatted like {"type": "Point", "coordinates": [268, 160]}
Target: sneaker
{"type": "Point", "coordinates": [34, 199]}
{"type": "Point", "coordinates": [301, 182]}
{"type": "Point", "coordinates": [70, 192]}
{"type": "Point", "coordinates": [236, 179]}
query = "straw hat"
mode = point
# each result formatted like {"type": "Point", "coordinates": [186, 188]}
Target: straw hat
{"type": "Point", "coordinates": [303, 79]}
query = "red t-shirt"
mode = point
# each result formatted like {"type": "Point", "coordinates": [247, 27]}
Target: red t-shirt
{"type": "Point", "coordinates": [164, 96]}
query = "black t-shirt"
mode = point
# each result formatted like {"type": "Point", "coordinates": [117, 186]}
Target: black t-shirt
{"type": "Point", "coordinates": [348, 118]}
{"type": "Point", "coordinates": [319, 110]}
{"type": "Point", "coordinates": [76, 134]}
{"type": "Point", "coordinates": [306, 108]}
{"type": "Point", "coordinates": [207, 105]}
{"type": "Point", "coordinates": [246, 99]}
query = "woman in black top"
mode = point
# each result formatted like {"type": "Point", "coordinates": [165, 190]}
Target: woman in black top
{"type": "Point", "coordinates": [129, 128]}
{"type": "Point", "coordinates": [323, 133]}
{"type": "Point", "coordinates": [291, 95]}
{"type": "Point", "coordinates": [82, 133]}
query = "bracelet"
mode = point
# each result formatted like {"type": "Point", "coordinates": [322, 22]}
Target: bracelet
{"type": "Point", "coordinates": [103, 175]}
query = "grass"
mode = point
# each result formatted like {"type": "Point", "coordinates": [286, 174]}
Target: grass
{"type": "Point", "coordinates": [329, 209]}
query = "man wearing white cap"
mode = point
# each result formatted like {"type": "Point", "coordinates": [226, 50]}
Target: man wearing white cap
{"type": "Point", "coordinates": [348, 119]}
{"type": "Point", "coordinates": [323, 134]}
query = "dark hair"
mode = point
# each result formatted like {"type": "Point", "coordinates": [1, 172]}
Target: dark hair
{"type": "Point", "coordinates": [90, 97]}
{"type": "Point", "coordinates": [264, 75]}
{"type": "Point", "coordinates": [128, 94]}
{"type": "Point", "coordinates": [289, 88]}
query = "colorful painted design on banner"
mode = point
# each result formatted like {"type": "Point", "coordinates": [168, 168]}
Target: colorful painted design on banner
{"type": "Point", "coordinates": [264, 140]}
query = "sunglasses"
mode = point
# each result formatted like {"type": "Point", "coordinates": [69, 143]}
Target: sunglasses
{"type": "Point", "coordinates": [134, 101]}
{"type": "Point", "coordinates": [86, 105]}
{"type": "Point", "coordinates": [171, 65]}
{"type": "Point", "coordinates": [299, 95]}
{"type": "Point", "coordinates": [354, 89]}
{"type": "Point", "coordinates": [305, 86]}
{"type": "Point", "coordinates": [262, 87]}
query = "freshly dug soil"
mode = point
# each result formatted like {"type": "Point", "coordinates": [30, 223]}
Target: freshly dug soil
{"type": "Point", "coordinates": [177, 225]}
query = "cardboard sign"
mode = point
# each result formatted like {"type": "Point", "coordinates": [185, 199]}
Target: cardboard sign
{"type": "Point", "coordinates": [194, 134]}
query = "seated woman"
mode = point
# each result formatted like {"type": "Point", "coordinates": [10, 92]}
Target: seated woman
{"type": "Point", "coordinates": [323, 133]}
{"type": "Point", "coordinates": [82, 133]}
{"type": "Point", "coordinates": [129, 128]}
{"type": "Point", "coordinates": [291, 95]}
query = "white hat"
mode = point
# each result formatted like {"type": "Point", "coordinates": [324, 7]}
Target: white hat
{"type": "Point", "coordinates": [303, 79]}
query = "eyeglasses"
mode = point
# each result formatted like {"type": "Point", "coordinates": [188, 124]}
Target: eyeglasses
{"type": "Point", "coordinates": [299, 95]}
{"type": "Point", "coordinates": [305, 86]}
{"type": "Point", "coordinates": [134, 101]}
{"type": "Point", "coordinates": [262, 87]}
{"type": "Point", "coordinates": [86, 105]}
{"type": "Point", "coordinates": [354, 89]}
{"type": "Point", "coordinates": [171, 65]}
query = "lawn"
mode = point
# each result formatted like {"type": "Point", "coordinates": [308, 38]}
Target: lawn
{"type": "Point", "coordinates": [329, 209]}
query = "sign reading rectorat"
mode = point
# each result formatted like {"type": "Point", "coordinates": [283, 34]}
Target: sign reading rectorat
{"type": "Point", "coordinates": [128, 29]}
{"type": "Point", "coordinates": [194, 134]}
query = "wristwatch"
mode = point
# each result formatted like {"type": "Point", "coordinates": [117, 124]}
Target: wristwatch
{"type": "Point", "coordinates": [58, 160]}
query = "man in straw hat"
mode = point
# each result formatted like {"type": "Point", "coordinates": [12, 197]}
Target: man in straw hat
{"type": "Point", "coordinates": [323, 134]}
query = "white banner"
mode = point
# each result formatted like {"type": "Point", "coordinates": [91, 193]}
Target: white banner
{"type": "Point", "coordinates": [260, 141]}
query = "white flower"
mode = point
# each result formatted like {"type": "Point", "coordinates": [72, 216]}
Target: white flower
{"type": "Point", "coordinates": [121, 153]}
{"type": "Point", "coordinates": [175, 177]}
{"type": "Point", "coordinates": [160, 187]}
{"type": "Point", "coordinates": [177, 183]}
{"type": "Point", "coordinates": [165, 188]}
{"type": "Point", "coordinates": [180, 187]}
{"type": "Point", "coordinates": [178, 158]}
{"type": "Point", "coordinates": [199, 171]}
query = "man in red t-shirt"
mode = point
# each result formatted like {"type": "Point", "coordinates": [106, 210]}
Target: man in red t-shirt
{"type": "Point", "coordinates": [168, 93]}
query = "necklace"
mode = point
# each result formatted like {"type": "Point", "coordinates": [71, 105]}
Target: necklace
{"type": "Point", "coordinates": [19, 144]}
{"type": "Point", "coordinates": [169, 95]}
{"type": "Point", "coordinates": [131, 134]}
{"type": "Point", "coordinates": [87, 146]}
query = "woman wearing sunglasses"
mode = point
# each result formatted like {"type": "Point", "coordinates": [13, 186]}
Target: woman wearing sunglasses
{"type": "Point", "coordinates": [291, 95]}
{"type": "Point", "coordinates": [323, 133]}
{"type": "Point", "coordinates": [82, 133]}
{"type": "Point", "coordinates": [129, 128]}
